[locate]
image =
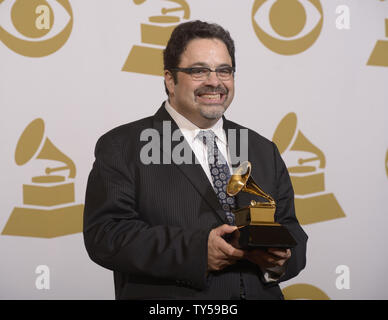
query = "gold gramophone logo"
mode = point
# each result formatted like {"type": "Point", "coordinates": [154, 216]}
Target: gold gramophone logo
{"type": "Point", "coordinates": [147, 58]}
{"type": "Point", "coordinates": [288, 21]}
{"type": "Point", "coordinates": [49, 209]}
{"type": "Point", "coordinates": [34, 20]}
{"type": "Point", "coordinates": [302, 291]}
{"type": "Point", "coordinates": [386, 163]}
{"type": "Point", "coordinates": [379, 56]}
{"type": "Point", "coordinates": [306, 167]}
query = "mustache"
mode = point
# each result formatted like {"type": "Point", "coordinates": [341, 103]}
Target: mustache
{"type": "Point", "coordinates": [211, 89]}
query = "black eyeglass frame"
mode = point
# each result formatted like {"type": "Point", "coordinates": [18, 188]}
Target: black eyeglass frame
{"type": "Point", "coordinates": [217, 70]}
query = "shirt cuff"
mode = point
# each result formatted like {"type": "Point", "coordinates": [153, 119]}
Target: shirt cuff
{"type": "Point", "coordinates": [272, 274]}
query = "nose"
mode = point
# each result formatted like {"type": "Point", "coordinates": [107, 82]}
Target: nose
{"type": "Point", "coordinates": [213, 80]}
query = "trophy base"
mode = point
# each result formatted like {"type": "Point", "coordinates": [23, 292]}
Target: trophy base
{"type": "Point", "coordinates": [265, 236]}
{"type": "Point", "coordinates": [254, 214]}
{"type": "Point", "coordinates": [42, 223]}
{"type": "Point", "coordinates": [145, 60]}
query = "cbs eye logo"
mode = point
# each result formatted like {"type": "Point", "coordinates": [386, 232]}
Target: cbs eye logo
{"type": "Point", "coordinates": [287, 27]}
{"type": "Point", "coordinates": [34, 27]}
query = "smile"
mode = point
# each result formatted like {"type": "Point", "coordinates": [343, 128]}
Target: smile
{"type": "Point", "coordinates": [212, 98]}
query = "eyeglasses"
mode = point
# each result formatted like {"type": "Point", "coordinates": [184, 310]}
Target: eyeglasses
{"type": "Point", "coordinates": [203, 73]}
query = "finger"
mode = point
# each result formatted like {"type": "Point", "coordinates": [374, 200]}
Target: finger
{"type": "Point", "coordinates": [280, 253]}
{"type": "Point", "coordinates": [264, 259]}
{"type": "Point", "coordinates": [222, 250]}
{"type": "Point", "coordinates": [231, 252]}
{"type": "Point", "coordinates": [256, 253]}
{"type": "Point", "coordinates": [262, 254]}
{"type": "Point", "coordinates": [277, 260]}
{"type": "Point", "coordinates": [260, 259]}
{"type": "Point", "coordinates": [225, 229]}
{"type": "Point", "coordinates": [221, 262]}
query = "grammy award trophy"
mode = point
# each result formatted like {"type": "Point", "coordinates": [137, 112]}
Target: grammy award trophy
{"type": "Point", "coordinates": [256, 222]}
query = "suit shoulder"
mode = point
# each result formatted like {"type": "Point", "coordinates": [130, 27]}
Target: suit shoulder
{"type": "Point", "coordinates": [126, 132]}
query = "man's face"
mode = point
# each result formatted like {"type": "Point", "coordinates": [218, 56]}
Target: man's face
{"type": "Point", "coordinates": [202, 102]}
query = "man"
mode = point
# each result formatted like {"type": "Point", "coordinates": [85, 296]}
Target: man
{"type": "Point", "coordinates": [165, 228]}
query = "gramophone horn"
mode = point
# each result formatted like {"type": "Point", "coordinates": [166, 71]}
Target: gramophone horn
{"type": "Point", "coordinates": [29, 143]}
{"type": "Point", "coordinates": [287, 136]}
{"type": "Point", "coordinates": [241, 180]}
{"type": "Point", "coordinates": [285, 132]}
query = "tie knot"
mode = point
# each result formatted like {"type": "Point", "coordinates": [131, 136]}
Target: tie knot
{"type": "Point", "coordinates": [206, 136]}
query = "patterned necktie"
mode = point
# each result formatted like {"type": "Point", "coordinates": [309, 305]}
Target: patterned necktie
{"type": "Point", "coordinates": [220, 173]}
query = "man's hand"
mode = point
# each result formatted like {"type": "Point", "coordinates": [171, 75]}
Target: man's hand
{"type": "Point", "coordinates": [220, 253]}
{"type": "Point", "coordinates": [272, 257]}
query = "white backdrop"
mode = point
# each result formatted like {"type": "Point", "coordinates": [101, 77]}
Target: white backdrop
{"type": "Point", "coordinates": [80, 92]}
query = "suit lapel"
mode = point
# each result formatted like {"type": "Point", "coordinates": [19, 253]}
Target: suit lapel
{"type": "Point", "coordinates": [193, 171]}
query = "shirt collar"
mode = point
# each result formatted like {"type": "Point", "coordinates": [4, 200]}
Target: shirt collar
{"type": "Point", "coordinates": [190, 130]}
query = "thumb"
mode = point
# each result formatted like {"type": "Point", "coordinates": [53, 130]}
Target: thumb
{"type": "Point", "coordinates": [224, 229]}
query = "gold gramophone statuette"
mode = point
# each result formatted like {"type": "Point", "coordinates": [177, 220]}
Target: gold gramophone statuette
{"type": "Point", "coordinates": [256, 222]}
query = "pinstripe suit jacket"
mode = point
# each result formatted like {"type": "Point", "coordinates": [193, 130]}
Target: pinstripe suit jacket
{"type": "Point", "coordinates": [150, 223]}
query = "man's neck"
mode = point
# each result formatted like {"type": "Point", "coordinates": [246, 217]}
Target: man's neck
{"type": "Point", "coordinates": [201, 123]}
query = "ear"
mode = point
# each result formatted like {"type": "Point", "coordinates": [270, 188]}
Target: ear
{"type": "Point", "coordinates": [169, 81]}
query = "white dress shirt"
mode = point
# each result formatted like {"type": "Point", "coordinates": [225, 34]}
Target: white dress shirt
{"type": "Point", "coordinates": [190, 132]}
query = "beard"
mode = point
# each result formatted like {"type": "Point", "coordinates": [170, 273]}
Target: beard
{"type": "Point", "coordinates": [212, 112]}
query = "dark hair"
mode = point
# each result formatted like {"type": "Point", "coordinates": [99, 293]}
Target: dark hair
{"type": "Point", "coordinates": [187, 31]}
